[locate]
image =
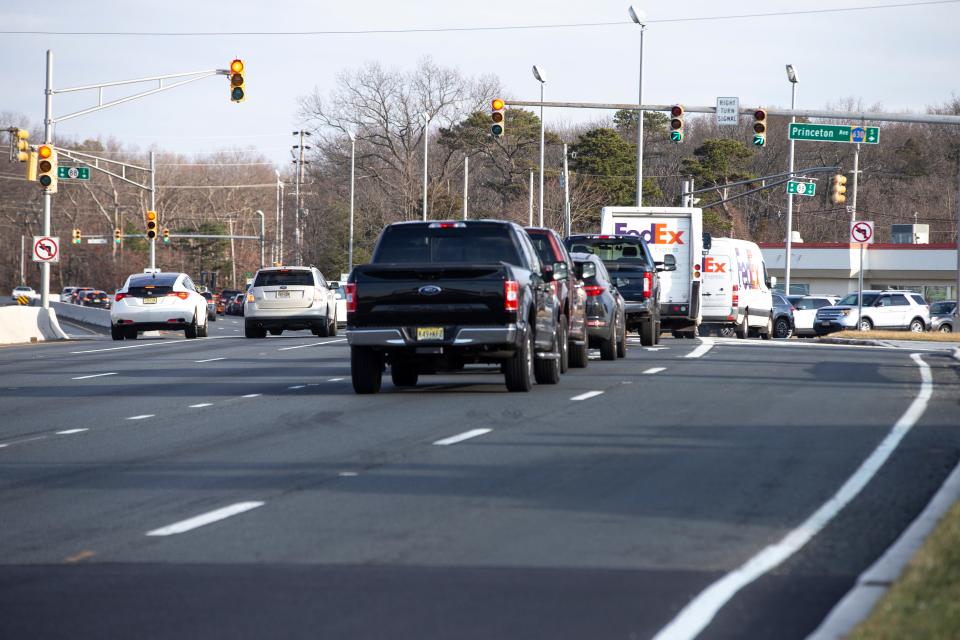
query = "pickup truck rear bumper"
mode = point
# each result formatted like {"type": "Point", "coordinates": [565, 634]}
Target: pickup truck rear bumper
{"type": "Point", "coordinates": [407, 337]}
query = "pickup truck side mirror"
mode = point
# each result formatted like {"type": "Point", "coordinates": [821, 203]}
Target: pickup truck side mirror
{"type": "Point", "coordinates": [589, 270]}
{"type": "Point", "coordinates": [669, 263]}
{"type": "Point", "coordinates": [560, 271]}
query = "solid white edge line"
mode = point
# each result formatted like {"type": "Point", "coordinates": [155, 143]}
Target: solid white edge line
{"type": "Point", "coordinates": [252, 395]}
{"type": "Point", "coordinates": [586, 396]}
{"type": "Point", "coordinates": [336, 380]}
{"type": "Point", "coordinates": [312, 344]}
{"type": "Point", "coordinates": [204, 519]}
{"type": "Point", "coordinates": [158, 343]}
{"type": "Point", "coordinates": [654, 370]}
{"type": "Point", "coordinates": [95, 375]}
{"type": "Point", "coordinates": [698, 613]}
{"type": "Point", "coordinates": [143, 417]}
{"type": "Point", "coordinates": [200, 405]}
{"type": "Point", "coordinates": [460, 437]}
{"type": "Point", "coordinates": [705, 345]}
{"type": "Point", "coordinates": [297, 386]}
{"type": "Point", "coordinates": [67, 432]}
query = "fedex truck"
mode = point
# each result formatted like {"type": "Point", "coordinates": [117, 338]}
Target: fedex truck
{"type": "Point", "coordinates": [736, 295]}
{"type": "Point", "coordinates": [668, 230]}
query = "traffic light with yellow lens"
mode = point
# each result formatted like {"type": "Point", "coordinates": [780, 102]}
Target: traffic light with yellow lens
{"type": "Point", "coordinates": [151, 225]}
{"type": "Point", "coordinates": [237, 79]}
{"type": "Point", "coordinates": [117, 236]}
{"type": "Point", "coordinates": [166, 236]}
{"type": "Point", "coordinates": [19, 145]}
{"type": "Point", "coordinates": [838, 189]}
{"type": "Point", "coordinates": [77, 236]}
{"type": "Point", "coordinates": [498, 115]}
{"type": "Point", "coordinates": [47, 168]}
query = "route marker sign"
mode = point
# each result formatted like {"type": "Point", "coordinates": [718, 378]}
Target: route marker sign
{"type": "Point", "coordinates": [728, 111]}
{"type": "Point", "coordinates": [73, 173]}
{"type": "Point", "coordinates": [802, 188]}
{"type": "Point", "coordinates": [833, 133]}
{"type": "Point", "coordinates": [861, 232]}
{"type": "Point", "coordinates": [46, 249]}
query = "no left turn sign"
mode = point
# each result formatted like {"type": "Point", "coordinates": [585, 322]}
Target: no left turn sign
{"type": "Point", "coordinates": [861, 232]}
{"type": "Point", "coordinates": [46, 249]}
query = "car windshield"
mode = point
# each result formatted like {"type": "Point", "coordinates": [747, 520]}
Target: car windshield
{"type": "Point", "coordinates": [851, 299]}
{"type": "Point", "coordinates": [942, 308]}
{"type": "Point", "coordinates": [298, 277]}
{"type": "Point", "coordinates": [541, 242]}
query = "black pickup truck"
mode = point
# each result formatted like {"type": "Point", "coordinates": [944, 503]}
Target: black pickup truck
{"type": "Point", "coordinates": [439, 295]}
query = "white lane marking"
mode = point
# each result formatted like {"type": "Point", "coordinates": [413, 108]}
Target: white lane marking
{"type": "Point", "coordinates": [201, 405]}
{"type": "Point", "coordinates": [297, 386]}
{"type": "Point", "coordinates": [657, 348]}
{"type": "Point", "coordinates": [654, 370]}
{"type": "Point", "coordinates": [705, 345]}
{"type": "Point", "coordinates": [336, 380]}
{"type": "Point", "coordinates": [312, 344]}
{"type": "Point", "coordinates": [3, 446]}
{"type": "Point", "coordinates": [159, 343]}
{"type": "Point", "coordinates": [209, 360]}
{"type": "Point", "coordinates": [252, 395]}
{"type": "Point", "coordinates": [460, 437]}
{"type": "Point", "coordinates": [204, 519]}
{"type": "Point", "coordinates": [67, 432]}
{"type": "Point", "coordinates": [586, 396]}
{"type": "Point", "coordinates": [695, 617]}
{"type": "Point", "coordinates": [143, 417]}
{"type": "Point", "coordinates": [348, 474]}
{"type": "Point", "coordinates": [95, 375]}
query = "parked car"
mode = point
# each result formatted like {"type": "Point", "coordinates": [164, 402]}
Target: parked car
{"type": "Point", "coordinates": [629, 261]}
{"type": "Point", "coordinates": [95, 298]}
{"type": "Point", "coordinates": [224, 298]}
{"type": "Point", "coordinates": [605, 308]}
{"type": "Point", "coordinates": [159, 300]}
{"type": "Point", "coordinates": [943, 316]}
{"type": "Point", "coordinates": [891, 310]}
{"type": "Point", "coordinates": [289, 298]}
{"type": "Point", "coordinates": [438, 295]}
{"type": "Point", "coordinates": [340, 293]}
{"type": "Point", "coordinates": [735, 291]}
{"type": "Point", "coordinates": [211, 306]}
{"type": "Point", "coordinates": [235, 304]}
{"type": "Point", "coordinates": [66, 294]}
{"type": "Point", "coordinates": [24, 290]}
{"type": "Point", "coordinates": [784, 318]}
{"type": "Point", "coordinates": [571, 297]}
{"type": "Point", "coordinates": [805, 311]}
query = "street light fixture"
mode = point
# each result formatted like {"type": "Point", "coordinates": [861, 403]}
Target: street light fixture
{"type": "Point", "coordinates": [639, 17]}
{"type": "Point", "coordinates": [538, 74]}
{"type": "Point", "coordinates": [792, 77]}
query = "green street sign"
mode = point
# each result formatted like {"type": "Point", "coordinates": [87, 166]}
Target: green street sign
{"type": "Point", "coordinates": [834, 133]}
{"type": "Point", "coordinates": [73, 173]}
{"type": "Point", "coordinates": [802, 188]}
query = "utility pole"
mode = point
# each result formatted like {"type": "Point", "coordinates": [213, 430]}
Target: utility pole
{"type": "Point", "coordinates": [566, 192]}
{"type": "Point", "coordinates": [233, 258]}
{"type": "Point", "coordinates": [466, 184]}
{"type": "Point", "coordinates": [530, 212]}
{"type": "Point", "coordinates": [22, 256]}
{"type": "Point", "coordinates": [275, 254]}
{"type": "Point", "coordinates": [263, 234]}
{"type": "Point", "coordinates": [426, 156]}
{"type": "Point", "coordinates": [297, 234]}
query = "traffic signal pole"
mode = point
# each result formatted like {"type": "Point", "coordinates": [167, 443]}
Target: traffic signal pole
{"type": "Point", "coordinates": [47, 139]}
{"type": "Point", "coordinates": [153, 206]}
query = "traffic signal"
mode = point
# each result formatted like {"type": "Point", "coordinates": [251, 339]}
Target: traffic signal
{"type": "Point", "coordinates": [759, 128]}
{"type": "Point", "coordinates": [76, 236]}
{"type": "Point", "coordinates": [117, 236]}
{"type": "Point", "coordinates": [166, 236]}
{"type": "Point", "coordinates": [676, 123]}
{"type": "Point", "coordinates": [32, 165]}
{"type": "Point", "coordinates": [19, 145]}
{"type": "Point", "coordinates": [151, 225]}
{"type": "Point", "coordinates": [47, 168]}
{"type": "Point", "coordinates": [237, 92]}
{"type": "Point", "coordinates": [499, 117]}
{"type": "Point", "coordinates": [838, 188]}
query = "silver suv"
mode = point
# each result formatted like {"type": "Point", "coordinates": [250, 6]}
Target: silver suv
{"type": "Point", "coordinates": [289, 298]}
{"type": "Point", "coordinates": [892, 310]}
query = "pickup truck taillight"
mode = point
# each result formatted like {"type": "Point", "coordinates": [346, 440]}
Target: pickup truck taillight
{"type": "Point", "coordinates": [593, 290]}
{"type": "Point", "coordinates": [350, 292]}
{"type": "Point", "coordinates": [511, 295]}
{"type": "Point", "coordinates": [647, 285]}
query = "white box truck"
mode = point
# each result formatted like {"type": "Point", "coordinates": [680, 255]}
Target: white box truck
{"type": "Point", "coordinates": [736, 295]}
{"type": "Point", "coordinates": [667, 230]}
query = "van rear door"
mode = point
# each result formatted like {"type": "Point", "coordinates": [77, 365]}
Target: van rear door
{"type": "Point", "coordinates": [719, 276]}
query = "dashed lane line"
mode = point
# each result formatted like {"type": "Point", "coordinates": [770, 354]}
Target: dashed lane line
{"type": "Point", "coordinates": [586, 396]}
{"type": "Point", "coordinates": [204, 519]}
{"type": "Point", "coordinates": [460, 437]}
{"type": "Point", "coordinates": [654, 370]}
{"type": "Point", "coordinates": [297, 386]}
{"type": "Point", "coordinates": [209, 360]}
{"type": "Point", "coordinates": [252, 395]}
{"type": "Point", "coordinates": [67, 432]}
{"type": "Point", "coordinates": [142, 417]}
{"type": "Point", "coordinates": [95, 375]}
{"type": "Point", "coordinates": [312, 344]}
{"type": "Point", "coordinates": [158, 343]}
{"type": "Point", "coordinates": [201, 405]}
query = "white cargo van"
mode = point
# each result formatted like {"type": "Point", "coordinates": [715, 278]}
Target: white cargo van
{"type": "Point", "coordinates": [735, 290]}
{"type": "Point", "coordinates": [676, 231]}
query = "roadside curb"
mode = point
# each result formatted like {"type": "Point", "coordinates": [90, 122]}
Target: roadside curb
{"type": "Point", "coordinates": [862, 343]}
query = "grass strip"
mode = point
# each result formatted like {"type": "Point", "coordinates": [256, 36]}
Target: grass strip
{"type": "Point", "coordinates": [935, 336]}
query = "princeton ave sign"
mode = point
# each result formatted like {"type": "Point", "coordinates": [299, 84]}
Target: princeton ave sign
{"type": "Point", "coordinates": [834, 133]}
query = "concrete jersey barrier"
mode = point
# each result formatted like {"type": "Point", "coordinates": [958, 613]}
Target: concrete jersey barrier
{"type": "Point", "coordinates": [29, 324]}
{"type": "Point", "coordinates": [87, 315]}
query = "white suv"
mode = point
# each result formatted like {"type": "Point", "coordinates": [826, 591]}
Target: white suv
{"type": "Point", "coordinates": [289, 298]}
{"type": "Point", "coordinates": [150, 301]}
{"type": "Point", "coordinates": [892, 309]}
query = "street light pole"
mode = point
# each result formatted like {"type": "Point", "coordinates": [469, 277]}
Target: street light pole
{"type": "Point", "coordinates": [275, 257]}
{"type": "Point", "coordinates": [263, 234]}
{"type": "Point", "coordinates": [426, 152]}
{"type": "Point", "coordinates": [353, 155]}
{"type": "Point", "coordinates": [638, 17]}
{"type": "Point", "coordinates": [792, 77]}
{"type": "Point", "coordinates": [540, 78]}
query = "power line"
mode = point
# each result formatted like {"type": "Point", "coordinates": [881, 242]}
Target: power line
{"type": "Point", "coordinates": [353, 32]}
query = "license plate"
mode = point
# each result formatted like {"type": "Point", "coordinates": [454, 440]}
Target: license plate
{"type": "Point", "coordinates": [429, 333]}
{"type": "Point", "coordinates": [149, 301]}
{"type": "Point", "coordinates": [824, 322]}
{"type": "Point", "coordinates": [283, 294]}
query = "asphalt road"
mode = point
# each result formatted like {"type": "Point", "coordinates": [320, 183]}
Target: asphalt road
{"type": "Point", "coordinates": [596, 508]}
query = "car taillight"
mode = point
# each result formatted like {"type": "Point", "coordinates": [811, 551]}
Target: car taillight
{"type": "Point", "coordinates": [120, 296]}
{"type": "Point", "coordinates": [511, 295]}
{"type": "Point", "coordinates": [647, 285]}
{"type": "Point", "coordinates": [350, 293]}
{"type": "Point", "coordinates": [250, 297]}
{"type": "Point", "coordinates": [183, 295]}
{"type": "Point", "coordinates": [736, 296]}
{"type": "Point", "coordinates": [593, 290]}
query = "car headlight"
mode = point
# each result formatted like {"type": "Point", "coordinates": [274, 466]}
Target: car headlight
{"type": "Point", "coordinates": [845, 312]}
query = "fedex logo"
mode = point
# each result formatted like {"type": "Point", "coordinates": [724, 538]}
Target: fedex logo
{"type": "Point", "coordinates": [657, 233]}
{"type": "Point", "coordinates": [711, 265]}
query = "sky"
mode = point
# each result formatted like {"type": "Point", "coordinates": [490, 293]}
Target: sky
{"type": "Point", "coordinates": [903, 59]}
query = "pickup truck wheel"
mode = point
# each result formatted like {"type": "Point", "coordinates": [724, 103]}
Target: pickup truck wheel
{"type": "Point", "coordinates": [656, 333]}
{"type": "Point", "coordinates": [563, 346]}
{"type": "Point", "coordinates": [366, 369]}
{"type": "Point", "coordinates": [646, 332]}
{"type": "Point", "coordinates": [580, 354]}
{"type": "Point", "coordinates": [518, 370]}
{"type": "Point", "coordinates": [404, 374]}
